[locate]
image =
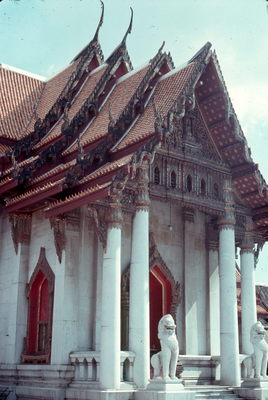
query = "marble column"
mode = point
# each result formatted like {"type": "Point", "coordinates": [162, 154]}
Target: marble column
{"type": "Point", "coordinates": [214, 290]}
{"type": "Point", "coordinates": [230, 367]}
{"type": "Point", "coordinates": [110, 310]}
{"type": "Point", "coordinates": [139, 317]}
{"type": "Point", "coordinates": [248, 295]}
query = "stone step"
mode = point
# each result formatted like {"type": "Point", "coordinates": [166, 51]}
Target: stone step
{"type": "Point", "coordinates": [216, 396]}
{"type": "Point", "coordinates": [217, 393]}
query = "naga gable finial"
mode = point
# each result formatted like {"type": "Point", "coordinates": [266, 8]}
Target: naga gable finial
{"type": "Point", "coordinates": [95, 38]}
{"type": "Point", "coordinates": [129, 29]}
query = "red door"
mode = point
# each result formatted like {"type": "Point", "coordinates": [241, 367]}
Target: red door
{"type": "Point", "coordinates": [160, 302]}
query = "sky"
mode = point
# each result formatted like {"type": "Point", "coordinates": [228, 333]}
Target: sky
{"type": "Point", "coordinates": [43, 36]}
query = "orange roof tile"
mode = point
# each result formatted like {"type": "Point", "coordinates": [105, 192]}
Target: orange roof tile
{"type": "Point", "coordinates": [166, 93]}
{"type": "Point", "coordinates": [20, 93]}
{"type": "Point", "coordinates": [53, 172]}
{"type": "Point", "coordinates": [53, 89]}
{"type": "Point", "coordinates": [79, 100]}
{"type": "Point", "coordinates": [114, 105]}
{"type": "Point", "coordinates": [105, 169]}
{"type": "Point", "coordinates": [33, 192]}
{"type": "Point", "coordinates": [83, 194]}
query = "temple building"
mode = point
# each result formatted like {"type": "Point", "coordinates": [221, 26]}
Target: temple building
{"type": "Point", "coordinates": [125, 195]}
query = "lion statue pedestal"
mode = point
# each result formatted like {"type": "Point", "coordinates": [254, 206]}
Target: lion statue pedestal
{"type": "Point", "coordinates": [165, 385]}
{"type": "Point", "coordinates": [164, 363]}
{"type": "Point", "coordinates": [255, 384]}
{"type": "Point", "coordinates": [256, 364]}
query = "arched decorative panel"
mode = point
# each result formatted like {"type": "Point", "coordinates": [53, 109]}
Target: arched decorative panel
{"type": "Point", "coordinates": [40, 293]}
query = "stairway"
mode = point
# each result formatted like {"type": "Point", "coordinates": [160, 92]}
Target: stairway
{"type": "Point", "coordinates": [212, 392]}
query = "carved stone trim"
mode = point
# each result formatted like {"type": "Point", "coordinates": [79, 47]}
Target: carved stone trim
{"type": "Point", "coordinates": [37, 357]}
{"type": "Point", "coordinates": [20, 228]}
{"type": "Point", "coordinates": [156, 259]}
{"type": "Point", "coordinates": [42, 265]}
{"type": "Point", "coordinates": [58, 224]}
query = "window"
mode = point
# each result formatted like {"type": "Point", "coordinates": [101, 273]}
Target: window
{"type": "Point", "coordinates": [203, 187]}
{"type": "Point", "coordinates": [215, 191]}
{"type": "Point", "coordinates": [189, 184]}
{"type": "Point", "coordinates": [156, 176]}
{"type": "Point", "coordinates": [173, 179]}
{"type": "Point", "coordinates": [40, 309]}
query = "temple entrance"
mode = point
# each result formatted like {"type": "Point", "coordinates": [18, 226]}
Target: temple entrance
{"type": "Point", "coordinates": [164, 297]}
{"type": "Point", "coordinates": [160, 302]}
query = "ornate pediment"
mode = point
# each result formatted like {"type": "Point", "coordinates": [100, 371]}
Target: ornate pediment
{"type": "Point", "coordinates": [189, 137]}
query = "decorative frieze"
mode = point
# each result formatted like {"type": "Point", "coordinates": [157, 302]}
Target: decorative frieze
{"type": "Point", "coordinates": [20, 228]}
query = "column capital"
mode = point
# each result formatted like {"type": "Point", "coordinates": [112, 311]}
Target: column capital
{"type": "Point", "coordinates": [142, 201]}
{"type": "Point", "coordinates": [113, 215]}
{"type": "Point", "coordinates": [247, 244]}
{"type": "Point", "coordinates": [188, 214]}
{"type": "Point", "coordinates": [227, 221]}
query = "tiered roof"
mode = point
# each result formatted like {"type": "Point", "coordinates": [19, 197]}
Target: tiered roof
{"type": "Point", "coordinates": [63, 141]}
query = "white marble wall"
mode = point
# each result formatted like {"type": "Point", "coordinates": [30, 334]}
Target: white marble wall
{"type": "Point", "coordinates": [76, 317]}
{"type": "Point", "coordinates": [13, 276]}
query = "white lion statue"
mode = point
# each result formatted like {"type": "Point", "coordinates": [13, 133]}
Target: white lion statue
{"type": "Point", "coordinates": [165, 362]}
{"type": "Point", "coordinates": [257, 362]}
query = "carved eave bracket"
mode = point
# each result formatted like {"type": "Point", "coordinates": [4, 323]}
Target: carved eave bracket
{"type": "Point", "coordinates": [20, 229]}
{"type": "Point", "coordinates": [58, 224]}
{"type": "Point", "coordinates": [97, 213]}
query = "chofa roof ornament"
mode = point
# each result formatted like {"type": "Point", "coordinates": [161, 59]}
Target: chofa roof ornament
{"type": "Point", "coordinates": [94, 42]}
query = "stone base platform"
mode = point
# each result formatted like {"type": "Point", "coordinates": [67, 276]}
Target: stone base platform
{"type": "Point", "coordinates": [253, 388]}
{"type": "Point", "coordinates": [165, 390]}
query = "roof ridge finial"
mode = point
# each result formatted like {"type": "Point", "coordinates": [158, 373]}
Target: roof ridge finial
{"type": "Point", "coordinates": [129, 29]}
{"type": "Point", "coordinates": [202, 54]}
{"type": "Point", "coordinates": [162, 46]}
{"type": "Point", "coordinates": [95, 38]}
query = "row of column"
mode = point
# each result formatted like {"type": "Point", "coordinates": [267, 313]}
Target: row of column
{"type": "Point", "coordinates": [139, 333]}
{"type": "Point", "coordinates": [139, 292]}
{"type": "Point", "coordinates": [226, 303]}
